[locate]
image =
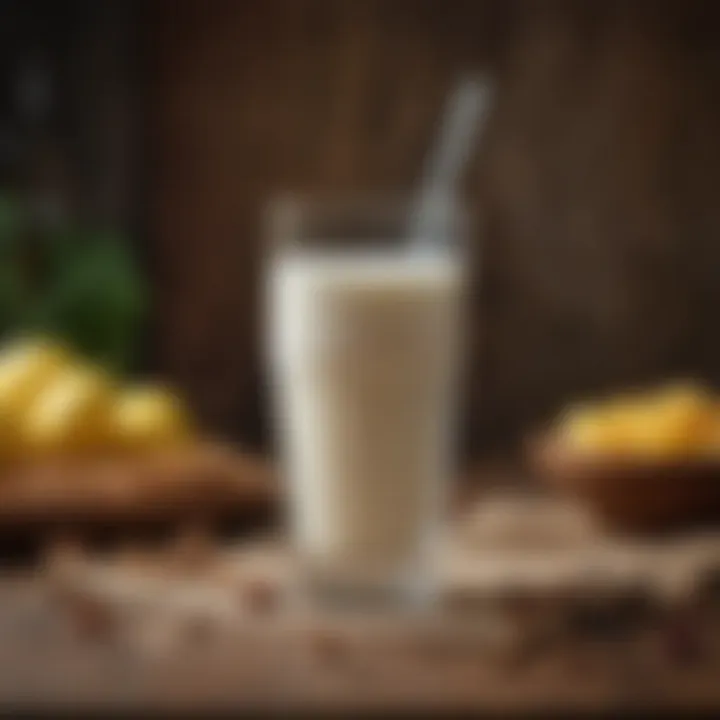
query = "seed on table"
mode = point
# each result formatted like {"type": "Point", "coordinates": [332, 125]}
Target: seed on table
{"type": "Point", "coordinates": [328, 645]}
{"type": "Point", "coordinates": [92, 618]}
{"type": "Point", "coordinates": [194, 550]}
{"type": "Point", "coordinates": [261, 595]}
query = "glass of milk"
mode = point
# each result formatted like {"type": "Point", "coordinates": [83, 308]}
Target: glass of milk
{"type": "Point", "coordinates": [364, 332]}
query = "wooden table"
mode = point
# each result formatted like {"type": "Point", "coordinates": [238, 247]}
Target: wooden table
{"type": "Point", "coordinates": [540, 611]}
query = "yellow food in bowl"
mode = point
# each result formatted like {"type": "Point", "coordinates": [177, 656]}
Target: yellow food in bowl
{"type": "Point", "coordinates": [150, 417]}
{"type": "Point", "coordinates": [55, 404]}
{"type": "Point", "coordinates": [10, 447]}
{"type": "Point", "coordinates": [677, 421]}
{"type": "Point", "coordinates": [588, 430]}
{"type": "Point", "coordinates": [71, 414]}
{"type": "Point", "coordinates": [26, 368]}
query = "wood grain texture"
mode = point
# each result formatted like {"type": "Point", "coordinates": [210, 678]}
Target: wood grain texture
{"type": "Point", "coordinates": [595, 186]}
{"type": "Point", "coordinates": [251, 99]}
{"type": "Point", "coordinates": [579, 623]}
{"type": "Point", "coordinates": [202, 482]}
{"type": "Point", "coordinates": [598, 267]}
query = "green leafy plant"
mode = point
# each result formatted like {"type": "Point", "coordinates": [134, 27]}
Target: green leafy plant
{"type": "Point", "coordinates": [74, 283]}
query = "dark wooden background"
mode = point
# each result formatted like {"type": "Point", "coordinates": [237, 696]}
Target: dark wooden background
{"type": "Point", "coordinates": [253, 98]}
{"type": "Point", "coordinates": [596, 185]}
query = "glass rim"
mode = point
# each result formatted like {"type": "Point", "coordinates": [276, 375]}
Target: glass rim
{"type": "Point", "coordinates": [354, 201]}
{"type": "Point", "coordinates": [285, 213]}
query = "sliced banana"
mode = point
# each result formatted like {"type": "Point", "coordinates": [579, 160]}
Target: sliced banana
{"type": "Point", "coordinates": [71, 415]}
{"type": "Point", "coordinates": [150, 416]}
{"type": "Point", "coordinates": [26, 368]}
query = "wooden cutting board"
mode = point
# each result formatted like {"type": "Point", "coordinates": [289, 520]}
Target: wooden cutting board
{"type": "Point", "coordinates": [209, 480]}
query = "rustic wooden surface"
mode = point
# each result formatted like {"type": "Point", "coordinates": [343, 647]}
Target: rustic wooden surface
{"type": "Point", "coordinates": [200, 630]}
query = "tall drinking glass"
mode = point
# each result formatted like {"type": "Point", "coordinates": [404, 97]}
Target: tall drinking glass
{"type": "Point", "coordinates": [364, 334]}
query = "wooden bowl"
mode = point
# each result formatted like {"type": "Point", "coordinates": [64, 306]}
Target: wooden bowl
{"type": "Point", "coordinates": [632, 494]}
{"type": "Point", "coordinates": [207, 480]}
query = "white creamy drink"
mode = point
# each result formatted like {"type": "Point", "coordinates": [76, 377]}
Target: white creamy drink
{"type": "Point", "coordinates": [365, 349]}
